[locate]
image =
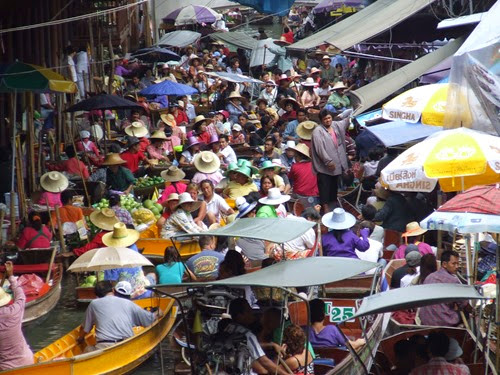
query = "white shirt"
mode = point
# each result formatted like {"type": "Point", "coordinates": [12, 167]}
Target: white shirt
{"type": "Point", "coordinates": [82, 62]}
{"type": "Point", "coordinates": [407, 279]}
{"type": "Point", "coordinates": [304, 242]}
{"type": "Point", "coordinates": [72, 69]}
{"type": "Point", "coordinates": [217, 205]}
{"type": "Point", "coordinates": [374, 252]}
{"type": "Point", "coordinates": [229, 155]}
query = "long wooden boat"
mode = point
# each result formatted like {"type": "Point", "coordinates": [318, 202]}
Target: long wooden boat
{"type": "Point", "coordinates": [154, 248]}
{"type": "Point", "coordinates": [47, 297]}
{"type": "Point", "coordinates": [87, 294]}
{"type": "Point", "coordinates": [66, 357]}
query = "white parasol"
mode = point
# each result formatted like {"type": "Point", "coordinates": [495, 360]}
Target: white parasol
{"type": "Point", "coordinates": [106, 258]}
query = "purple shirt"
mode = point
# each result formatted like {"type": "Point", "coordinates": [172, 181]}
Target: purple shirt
{"type": "Point", "coordinates": [332, 248]}
{"type": "Point", "coordinates": [14, 351]}
{"type": "Point", "coordinates": [329, 337]}
{"type": "Point", "coordinates": [122, 71]}
{"type": "Point", "coordinates": [441, 314]}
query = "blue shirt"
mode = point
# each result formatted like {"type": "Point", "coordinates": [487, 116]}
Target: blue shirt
{"type": "Point", "coordinates": [205, 264]}
{"type": "Point", "coordinates": [290, 130]}
{"type": "Point", "coordinates": [170, 274]}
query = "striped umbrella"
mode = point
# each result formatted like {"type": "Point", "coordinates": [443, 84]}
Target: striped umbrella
{"type": "Point", "coordinates": [192, 14]}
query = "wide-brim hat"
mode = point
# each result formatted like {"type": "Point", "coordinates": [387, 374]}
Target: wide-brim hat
{"type": "Point", "coordinates": [305, 129]}
{"type": "Point", "coordinates": [489, 247]}
{"type": "Point", "coordinates": [272, 112]}
{"type": "Point", "coordinates": [173, 197]}
{"type": "Point", "coordinates": [283, 77]}
{"type": "Point", "coordinates": [236, 95]}
{"type": "Point", "coordinates": [243, 207]}
{"type": "Point", "coordinates": [136, 129]}
{"type": "Point", "coordinates": [186, 198]}
{"type": "Point", "coordinates": [54, 182]}
{"type": "Point", "coordinates": [274, 197]}
{"type": "Point", "coordinates": [213, 139]}
{"type": "Point", "coordinates": [104, 219]}
{"type": "Point", "coordinates": [230, 168]}
{"type": "Point", "coordinates": [413, 229]}
{"type": "Point", "coordinates": [5, 297]}
{"type": "Point", "coordinates": [338, 219]}
{"type": "Point", "coordinates": [198, 119]}
{"type": "Point", "coordinates": [302, 149]}
{"type": "Point", "coordinates": [192, 141]}
{"type": "Point", "coordinates": [206, 162]}
{"type": "Point", "coordinates": [292, 101]}
{"type": "Point", "coordinates": [194, 57]}
{"type": "Point", "coordinates": [338, 86]}
{"type": "Point", "coordinates": [309, 82]}
{"type": "Point", "coordinates": [245, 171]}
{"type": "Point", "coordinates": [168, 119]}
{"type": "Point", "coordinates": [121, 236]}
{"type": "Point", "coordinates": [268, 164]}
{"type": "Point", "coordinates": [314, 70]}
{"type": "Point", "coordinates": [261, 100]}
{"type": "Point", "coordinates": [158, 134]}
{"type": "Point", "coordinates": [113, 159]}
{"type": "Point", "coordinates": [247, 163]}
{"type": "Point", "coordinates": [282, 42]}
{"type": "Point", "coordinates": [326, 57]}
{"type": "Point", "coordinates": [172, 174]}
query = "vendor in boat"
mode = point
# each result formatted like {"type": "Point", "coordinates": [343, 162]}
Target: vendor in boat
{"type": "Point", "coordinates": [121, 214]}
{"type": "Point", "coordinates": [103, 220]}
{"type": "Point", "coordinates": [87, 146]}
{"type": "Point", "coordinates": [68, 213]}
{"type": "Point", "coordinates": [53, 184]}
{"type": "Point", "coordinates": [181, 221]}
{"type": "Point", "coordinates": [113, 317]}
{"type": "Point", "coordinates": [169, 207]}
{"type": "Point", "coordinates": [36, 235]}
{"type": "Point", "coordinates": [413, 235]}
{"type": "Point", "coordinates": [117, 176]}
{"type": "Point", "coordinates": [271, 170]}
{"type": "Point", "coordinates": [192, 148]}
{"type": "Point", "coordinates": [207, 166]}
{"type": "Point", "coordinates": [216, 205]}
{"type": "Point", "coordinates": [72, 166]}
{"type": "Point", "coordinates": [168, 121]}
{"type": "Point", "coordinates": [272, 205]}
{"type": "Point", "coordinates": [134, 156]}
{"type": "Point", "coordinates": [241, 185]}
{"type": "Point", "coordinates": [137, 129]}
{"type": "Point", "coordinates": [14, 351]}
{"type": "Point", "coordinates": [327, 336]}
{"type": "Point", "coordinates": [174, 176]}
{"type": "Point", "coordinates": [342, 241]}
{"type": "Point", "coordinates": [157, 149]}
{"type": "Point", "coordinates": [301, 176]}
{"type": "Point", "coordinates": [201, 129]}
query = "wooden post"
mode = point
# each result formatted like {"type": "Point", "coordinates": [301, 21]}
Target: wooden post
{"type": "Point", "coordinates": [51, 263]}
{"type": "Point", "coordinates": [147, 28]}
{"type": "Point", "coordinates": [92, 57]}
{"type": "Point", "coordinates": [60, 229]}
{"type": "Point", "coordinates": [31, 144]}
{"type": "Point", "coordinates": [112, 69]}
{"type": "Point", "coordinates": [21, 195]}
{"type": "Point", "coordinates": [2, 217]}
{"type": "Point", "coordinates": [13, 109]}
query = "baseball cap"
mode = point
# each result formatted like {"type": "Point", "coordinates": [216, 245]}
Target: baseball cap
{"type": "Point", "coordinates": [411, 247]}
{"type": "Point", "coordinates": [124, 287]}
{"type": "Point", "coordinates": [237, 127]}
{"type": "Point", "coordinates": [413, 258]}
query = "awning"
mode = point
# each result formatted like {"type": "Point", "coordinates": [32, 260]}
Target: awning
{"type": "Point", "coordinates": [232, 77]}
{"type": "Point", "coordinates": [369, 95]}
{"type": "Point", "coordinates": [394, 133]}
{"type": "Point", "coordinates": [363, 25]}
{"type": "Point", "coordinates": [236, 38]}
{"type": "Point", "coordinates": [179, 38]}
{"type": "Point", "coordinates": [461, 21]}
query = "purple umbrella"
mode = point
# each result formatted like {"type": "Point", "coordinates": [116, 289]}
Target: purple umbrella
{"type": "Point", "coordinates": [192, 14]}
{"type": "Point", "coordinates": [329, 5]}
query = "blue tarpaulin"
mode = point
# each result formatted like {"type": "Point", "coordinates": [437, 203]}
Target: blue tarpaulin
{"type": "Point", "coordinates": [168, 88]}
{"type": "Point", "coordinates": [395, 133]}
{"type": "Point", "coordinates": [275, 7]}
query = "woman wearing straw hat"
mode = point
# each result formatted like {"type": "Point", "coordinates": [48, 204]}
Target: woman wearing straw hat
{"type": "Point", "coordinates": [118, 177]}
{"type": "Point", "coordinates": [200, 128]}
{"type": "Point", "coordinates": [338, 100]}
{"type": "Point", "coordinates": [413, 235]}
{"type": "Point", "coordinates": [309, 98]}
{"type": "Point", "coordinates": [174, 176]}
{"type": "Point", "coordinates": [302, 178]}
{"type": "Point", "coordinates": [169, 206]}
{"type": "Point", "coordinates": [273, 204]}
{"type": "Point", "coordinates": [241, 185]}
{"type": "Point", "coordinates": [14, 351]}
{"type": "Point", "coordinates": [157, 150]}
{"type": "Point", "coordinates": [341, 241]}
{"type": "Point", "coordinates": [235, 106]}
{"type": "Point", "coordinates": [53, 184]}
{"type": "Point", "coordinates": [207, 165]}
{"type": "Point", "coordinates": [181, 221]}
{"type": "Point", "coordinates": [304, 131]}
{"type": "Point", "coordinates": [139, 130]}
{"type": "Point", "coordinates": [290, 106]}
{"type": "Point", "coordinates": [280, 61]}
{"type": "Point", "coordinates": [191, 149]}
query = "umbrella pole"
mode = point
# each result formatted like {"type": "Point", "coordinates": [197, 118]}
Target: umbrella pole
{"type": "Point", "coordinates": [439, 233]}
{"type": "Point", "coordinates": [467, 258]}
{"type": "Point", "coordinates": [31, 143]}
{"type": "Point", "coordinates": [13, 170]}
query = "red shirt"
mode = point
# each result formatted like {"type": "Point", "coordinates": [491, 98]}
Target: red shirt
{"type": "Point", "coordinates": [204, 137]}
{"type": "Point", "coordinates": [41, 242]}
{"type": "Point", "coordinates": [144, 144]}
{"type": "Point", "coordinates": [132, 160]}
{"type": "Point", "coordinates": [288, 36]}
{"type": "Point", "coordinates": [303, 179]}
{"type": "Point", "coordinates": [72, 166]}
{"type": "Point", "coordinates": [181, 117]}
{"type": "Point", "coordinates": [94, 244]}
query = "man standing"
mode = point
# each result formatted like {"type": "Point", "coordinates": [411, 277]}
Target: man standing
{"type": "Point", "coordinates": [329, 155]}
{"type": "Point", "coordinates": [14, 351]}
{"type": "Point", "coordinates": [444, 314]}
{"type": "Point", "coordinates": [133, 156]}
{"type": "Point", "coordinates": [113, 317]}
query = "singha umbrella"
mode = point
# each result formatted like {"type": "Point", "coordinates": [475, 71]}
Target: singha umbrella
{"type": "Point", "coordinates": [192, 14]}
{"type": "Point", "coordinates": [168, 88]}
{"type": "Point", "coordinates": [106, 258]}
{"type": "Point", "coordinates": [155, 54]}
{"type": "Point", "coordinates": [103, 102]}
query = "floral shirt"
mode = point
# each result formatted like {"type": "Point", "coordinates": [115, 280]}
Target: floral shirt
{"type": "Point", "coordinates": [179, 222]}
{"type": "Point", "coordinates": [123, 215]}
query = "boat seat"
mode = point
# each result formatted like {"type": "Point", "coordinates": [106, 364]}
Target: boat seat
{"type": "Point", "coordinates": [321, 369]}
{"type": "Point", "coordinates": [31, 268]}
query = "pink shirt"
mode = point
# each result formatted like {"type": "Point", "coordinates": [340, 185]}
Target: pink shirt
{"type": "Point", "coordinates": [53, 198]}
{"type": "Point", "coordinates": [181, 188]}
{"type": "Point", "coordinates": [14, 351]}
{"type": "Point", "coordinates": [423, 249]}
{"type": "Point", "coordinates": [215, 177]}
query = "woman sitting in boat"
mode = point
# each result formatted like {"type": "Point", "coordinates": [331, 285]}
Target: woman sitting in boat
{"type": "Point", "coordinates": [191, 148]}
{"type": "Point", "coordinates": [294, 344]}
{"type": "Point", "coordinates": [173, 175]}
{"type": "Point", "coordinates": [36, 235]}
{"type": "Point", "coordinates": [169, 207]}
{"type": "Point", "coordinates": [241, 185]}
{"type": "Point", "coordinates": [413, 235]}
{"type": "Point", "coordinates": [272, 205]}
{"type": "Point", "coordinates": [172, 270]}
{"type": "Point", "coordinates": [207, 166]}
{"type": "Point", "coordinates": [53, 184]}
{"type": "Point", "coordinates": [342, 241]}
{"type": "Point", "coordinates": [216, 205]}
{"type": "Point", "coordinates": [199, 213]}
{"type": "Point", "coordinates": [181, 221]}
{"type": "Point", "coordinates": [327, 336]}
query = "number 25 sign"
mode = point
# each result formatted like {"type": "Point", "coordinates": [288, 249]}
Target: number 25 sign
{"type": "Point", "coordinates": [339, 314]}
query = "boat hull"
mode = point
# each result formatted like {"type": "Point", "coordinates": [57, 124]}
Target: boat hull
{"type": "Point", "coordinates": [154, 248]}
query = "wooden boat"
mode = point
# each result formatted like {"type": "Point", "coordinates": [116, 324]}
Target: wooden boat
{"type": "Point", "coordinates": [65, 356]}
{"type": "Point", "coordinates": [356, 286]}
{"type": "Point", "coordinates": [154, 248]}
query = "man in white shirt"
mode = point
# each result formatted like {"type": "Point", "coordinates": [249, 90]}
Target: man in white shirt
{"type": "Point", "coordinates": [227, 152]}
{"type": "Point", "coordinates": [82, 70]}
{"type": "Point", "coordinates": [413, 263]}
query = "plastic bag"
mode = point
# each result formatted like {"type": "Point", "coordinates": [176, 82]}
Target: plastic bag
{"type": "Point", "coordinates": [31, 284]}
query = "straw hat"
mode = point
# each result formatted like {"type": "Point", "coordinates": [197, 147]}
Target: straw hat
{"type": "Point", "coordinates": [209, 66]}
{"type": "Point", "coordinates": [186, 198]}
{"type": "Point", "coordinates": [302, 149]}
{"type": "Point", "coordinates": [198, 119]}
{"type": "Point", "coordinates": [339, 86]}
{"type": "Point", "coordinates": [309, 82]}
{"type": "Point", "coordinates": [173, 174]}
{"type": "Point", "coordinates": [314, 70]}
{"type": "Point", "coordinates": [173, 197]}
{"type": "Point", "coordinates": [282, 42]}
{"type": "Point", "coordinates": [338, 219]}
{"type": "Point", "coordinates": [158, 134]}
{"type": "Point", "coordinates": [113, 159]}
{"type": "Point", "coordinates": [274, 197]}
{"type": "Point", "coordinates": [54, 182]}
{"type": "Point", "coordinates": [413, 229]}
{"type": "Point", "coordinates": [136, 129]}
{"type": "Point", "coordinates": [243, 207]}
{"type": "Point", "coordinates": [104, 219]}
{"type": "Point", "coordinates": [326, 57]}
{"type": "Point", "coordinates": [124, 288]}
{"type": "Point", "coordinates": [305, 129]}
{"type": "Point", "coordinates": [380, 192]}
{"type": "Point", "coordinates": [121, 236]}
{"type": "Point", "coordinates": [295, 104]}
{"type": "Point", "coordinates": [206, 162]}
{"type": "Point", "coordinates": [272, 112]}
{"type": "Point", "coordinates": [168, 119]}
{"type": "Point", "coordinates": [236, 95]}
{"type": "Point", "coordinates": [192, 58]}
{"type": "Point", "coordinates": [5, 298]}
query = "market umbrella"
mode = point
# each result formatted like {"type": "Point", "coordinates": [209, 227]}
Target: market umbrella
{"type": "Point", "coordinates": [102, 102]}
{"type": "Point", "coordinates": [192, 14]}
{"type": "Point", "coordinates": [168, 88]}
{"type": "Point", "coordinates": [473, 211]}
{"type": "Point", "coordinates": [458, 159]}
{"type": "Point", "coordinates": [155, 54]}
{"type": "Point", "coordinates": [22, 77]}
{"type": "Point", "coordinates": [106, 258]}
{"type": "Point", "coordinates": [425, 104]}
{"type": "Point", "coordinates": [329, 5]}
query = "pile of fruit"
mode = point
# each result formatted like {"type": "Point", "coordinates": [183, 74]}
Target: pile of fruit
{"type": "Point", "coordinates": [89, 282]}
{"type": "Point", "coordinates": [155, 208]}
{"type": "Point", "coordinates": [129, 203]}
{"type": "Point", "coordinates": [149, 181]}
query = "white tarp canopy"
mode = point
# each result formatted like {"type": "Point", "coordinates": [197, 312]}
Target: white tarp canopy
{"type": "Point", "coordinates": [179, 38]}
{"type": "Point", "coordinates": [261, 55]}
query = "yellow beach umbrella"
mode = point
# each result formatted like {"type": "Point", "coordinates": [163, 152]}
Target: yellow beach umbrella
{"type": "Point", "coordinates": [425, 104]}
{"type": "Point", "coordinates": [458, 159]}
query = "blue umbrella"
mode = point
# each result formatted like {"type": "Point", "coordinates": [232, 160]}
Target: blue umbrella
{"type": "Point", "coordinates": [155, 54]}
{"type": "Point", "coordinates": [168, 88]}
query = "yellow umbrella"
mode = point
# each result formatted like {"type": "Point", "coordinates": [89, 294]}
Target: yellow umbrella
{"type": "Point", "coordinates": [458, 159]}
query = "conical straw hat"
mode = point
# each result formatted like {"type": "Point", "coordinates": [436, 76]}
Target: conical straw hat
{"type": "Point", "coordinates": [54, 182]}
